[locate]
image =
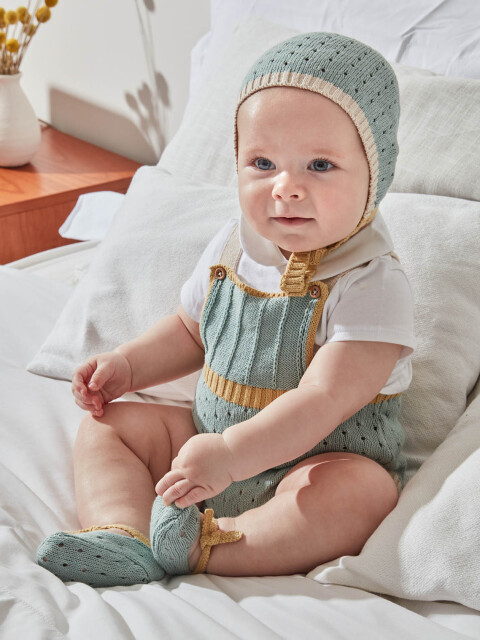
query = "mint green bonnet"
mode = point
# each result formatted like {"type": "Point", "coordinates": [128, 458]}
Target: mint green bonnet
{"type": "Point", "coordinates": [354, 76]}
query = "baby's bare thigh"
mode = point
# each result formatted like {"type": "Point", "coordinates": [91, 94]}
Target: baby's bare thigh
{"type": "Point", "coordinates": [149, 429]}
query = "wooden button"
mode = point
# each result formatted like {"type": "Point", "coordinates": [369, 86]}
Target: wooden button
{"type": "Point", "coordinates": [220, 273]}
{"type": "Point", "coordinates": [315, 291]}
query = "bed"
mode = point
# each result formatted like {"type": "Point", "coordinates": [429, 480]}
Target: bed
{"type": "Point", "coordinates": [418, 575]}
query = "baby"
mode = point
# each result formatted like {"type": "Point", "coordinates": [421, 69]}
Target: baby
{"type": "Point", "coordinates": [301, 319]}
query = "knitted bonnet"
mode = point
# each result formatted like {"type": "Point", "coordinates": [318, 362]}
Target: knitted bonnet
{"type": "Point", "coordinates": [361, 82]}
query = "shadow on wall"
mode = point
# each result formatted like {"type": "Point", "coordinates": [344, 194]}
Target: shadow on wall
{"type": "Point", "coordinates": [100, 126]}
{"type": "Point", "coordinates": [152, 97]}
{"type": "Point", "coordinates": [141, 137]}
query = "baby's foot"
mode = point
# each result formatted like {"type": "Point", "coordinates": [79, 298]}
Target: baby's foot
{"type": "Point", "coordinates": [183, 537]}
{"type": "Point", "coordinates": [175, 536]}
{"type": "Point", "coordinates": [98, 558]}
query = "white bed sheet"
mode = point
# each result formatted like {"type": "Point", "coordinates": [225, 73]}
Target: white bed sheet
{"type": "Point", "coordinates": [38, 421]}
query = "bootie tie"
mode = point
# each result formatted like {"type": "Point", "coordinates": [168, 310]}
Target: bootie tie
{"type": "Point", "coordinates": [100, 558]}
{"type": "Point", "coordinates": [174, 531]}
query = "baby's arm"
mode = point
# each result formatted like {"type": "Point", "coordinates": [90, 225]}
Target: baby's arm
{"type": "Point", "coordinates": [342, 378]}
{"type": "Point", "coordinates": [170, 349]}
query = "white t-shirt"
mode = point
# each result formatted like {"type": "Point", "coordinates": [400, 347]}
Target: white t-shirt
{"type": "Point", "coordinates": [372, 302]}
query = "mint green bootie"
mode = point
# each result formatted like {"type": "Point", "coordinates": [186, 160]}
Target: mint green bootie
{"type": "Point", "coordinates": [173, 532]}
{"type": "Point", "coordinates": [99, 558]}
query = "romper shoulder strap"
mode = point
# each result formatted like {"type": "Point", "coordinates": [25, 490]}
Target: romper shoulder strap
{"type": "Point", "coordinates": [232, 251]}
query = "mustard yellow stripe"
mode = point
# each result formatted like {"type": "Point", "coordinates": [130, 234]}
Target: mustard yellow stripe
{"type": "Point", "coordinates": [244, 395]}
{"type": "Point", "coordinates": [254, 397]}
{"type": "Point", "coordinates": [381, 397]}
{"type": "Point", "coordinates": [316, 317]}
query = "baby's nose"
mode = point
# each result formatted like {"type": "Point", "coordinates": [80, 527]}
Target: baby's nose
{"type": "Point", "coordinates": [287, 187]}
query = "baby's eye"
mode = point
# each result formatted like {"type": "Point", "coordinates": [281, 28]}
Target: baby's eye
{"type": "Point", "coordinates": [321, 165]}
{"type": "Point", "coordinates": [263, 163]}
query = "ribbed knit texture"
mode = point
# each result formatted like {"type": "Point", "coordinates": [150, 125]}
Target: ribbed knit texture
{"type": "Point", "coordinates": [257, 341]}
{"type": "Point", "coordinates": [353, 75]}
{"type": "Point", "coordinates": [261, 341]}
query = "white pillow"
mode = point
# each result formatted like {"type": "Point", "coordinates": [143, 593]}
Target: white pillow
{"type": "Point", "coordinates": [427, 548]}
{"type": "Point", "coordinates": [436, 239]}
{"type": "Point", "coordinates": [440, 36]}
{"type": "Point", "coordinates": [439, 133]}
{"type": "Point", "coordinates": [135, 278]}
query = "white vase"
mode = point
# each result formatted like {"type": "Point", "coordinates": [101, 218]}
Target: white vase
{"type": "Point", "coordinates": [19, 127]}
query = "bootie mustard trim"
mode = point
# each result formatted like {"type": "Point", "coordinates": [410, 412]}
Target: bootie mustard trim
{"type": "Point", "coordinates": [211, 536]}
{"type": "Point", "coordinates": [133, 532]}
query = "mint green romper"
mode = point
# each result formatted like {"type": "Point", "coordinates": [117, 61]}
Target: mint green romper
{"type": "Point", "coordinates": [257, 346]}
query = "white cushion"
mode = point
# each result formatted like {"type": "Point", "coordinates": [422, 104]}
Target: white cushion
{"type": "Point", "coordinates": [436, 239]}
{"type": "Point", "coordinates": [427, 547]}
{"type": "Point", "coordinates": [439, 134]}
{"type": "Point", "coordinates": [135, 278]}
{"type": "Point", "coordinates": [440, 36]}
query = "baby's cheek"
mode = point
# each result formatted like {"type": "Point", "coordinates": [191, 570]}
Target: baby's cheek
{"type": "Point", "coordinates": [251, 200]}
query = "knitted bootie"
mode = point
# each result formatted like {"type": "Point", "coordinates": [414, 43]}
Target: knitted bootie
{"type": "Point", "coordinates": [173, 532]}
{"type": "Point", "coordinates": [99, 558]}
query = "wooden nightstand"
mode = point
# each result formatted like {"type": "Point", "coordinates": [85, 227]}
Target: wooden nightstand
{"type": "Point", "coordinates": [35, 199]}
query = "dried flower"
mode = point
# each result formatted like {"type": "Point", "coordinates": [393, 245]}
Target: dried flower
{"type": "Point", "coordinates": [43, 14]}
{"type": "Point", "coordinates": [14, 37]}
{"type": "Point", "coordinates": [22, 14]}
{"type": "Point", "coordinates": [29, 29]}
{"type": "Point", "coordinates": [12, 45]}
{"type": "Point", "coordinates": [11, 17]}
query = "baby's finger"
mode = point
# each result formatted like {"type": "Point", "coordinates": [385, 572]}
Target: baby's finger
{"type": "Point", "coordinates": [82, 373]}
{"type": "Point", "coordinates": [81, 393]}
{"type": "Point", "coordinates": [91, 403]}
{"type": "Point", "coordinates": [195, 495]}
{"type": "Point", "coordinates": [176, 491]}
{"type": "Point", "coordinates": [100, 377]}
{"type": "Point", "coordinates": [168, 480]}
{"type": "Point", "coordinates": [86, 406]}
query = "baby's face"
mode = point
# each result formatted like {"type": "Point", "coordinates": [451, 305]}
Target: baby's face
{"type": "Point", "coordinates": [302, 172]}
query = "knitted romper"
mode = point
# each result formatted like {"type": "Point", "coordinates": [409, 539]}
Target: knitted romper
{"type": "Point", "coordinates": [257, 346]}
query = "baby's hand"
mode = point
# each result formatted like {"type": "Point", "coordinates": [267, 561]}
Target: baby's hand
{"type": "Point", "coordinates": [200, 471]}
{"type": "Point", "coordinates": [101, 379]}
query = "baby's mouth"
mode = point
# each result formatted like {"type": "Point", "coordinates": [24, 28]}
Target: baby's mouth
{"type": "Point", "coordinates": [291, 221]}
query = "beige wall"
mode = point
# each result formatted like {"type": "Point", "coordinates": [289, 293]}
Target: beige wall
{"type": "Point", "coordinates": [115, 72]}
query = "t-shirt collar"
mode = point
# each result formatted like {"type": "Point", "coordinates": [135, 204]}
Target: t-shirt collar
{"type": "Point", "coordinates": [370, 242]}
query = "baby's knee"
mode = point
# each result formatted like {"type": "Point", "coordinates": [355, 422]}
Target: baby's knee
{"type": "Point", "coordinates": [93, 428]}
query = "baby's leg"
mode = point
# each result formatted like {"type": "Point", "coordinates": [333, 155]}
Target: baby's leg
{"type": "Point", "coordinates": [120, 457]}
{"type": "Point", "coordinates": [118, 460]}
{"type": "Point", "coordinates": [325, 507]}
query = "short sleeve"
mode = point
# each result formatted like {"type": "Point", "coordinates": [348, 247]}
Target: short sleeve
{"type": "Point", "coordinates": [195, 289]}
{"type": "Point", "coordinates": [371, 303]}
